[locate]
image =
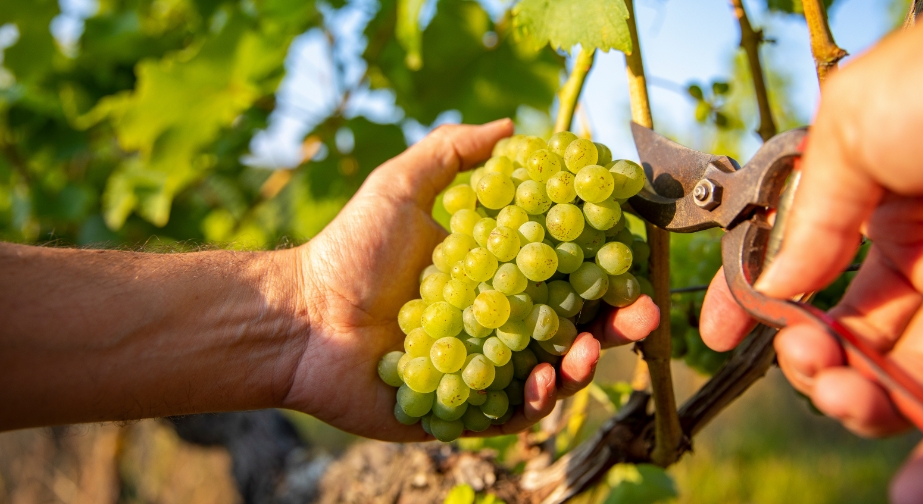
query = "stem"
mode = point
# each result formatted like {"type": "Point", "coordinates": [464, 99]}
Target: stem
{"type": "Point", "coordinates": [823, 47]}
{"type": "Point", "coordinates": [916, 7]}
{"type": "Point", "coordinates": [750, 41]}
{"type": "Point", "coordinates": [569, 93]}
{"type": "Point", "coordinates": [657, 348]}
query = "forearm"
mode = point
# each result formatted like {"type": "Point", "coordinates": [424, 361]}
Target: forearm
{"type": "Point", "coordinates": [89, 335]}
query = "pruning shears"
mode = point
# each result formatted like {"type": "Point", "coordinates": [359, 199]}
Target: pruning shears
{"type": "Point", "coordinates": [688, 191]}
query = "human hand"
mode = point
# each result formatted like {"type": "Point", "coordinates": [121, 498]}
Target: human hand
{"type": "Point", "coordinates": [360, 270]}
{"type": "Point", "coordinates": [862, 174]}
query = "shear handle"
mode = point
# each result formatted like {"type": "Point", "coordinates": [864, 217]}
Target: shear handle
{"type": "Point", "coordinates": [743, 249]}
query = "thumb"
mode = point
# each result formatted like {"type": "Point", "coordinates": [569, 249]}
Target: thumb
{"type": "Point", "coordinates": [425, 169]}
{"type": "Point", "coordinates": [835, 197]}
{"type": "Point", "coordinates": [907, 485]}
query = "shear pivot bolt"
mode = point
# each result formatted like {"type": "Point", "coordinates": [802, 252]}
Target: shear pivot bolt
{"type": "Point", "coordinates": [707, 194]}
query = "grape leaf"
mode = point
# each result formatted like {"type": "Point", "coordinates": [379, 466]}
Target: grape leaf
{"type": "Point", "coordinates": [32, 54]}
{"type": "Point", "coordinates": [460, 494]}
{"type": "Point", "coordinates": [563, 24]}
{"type": "Point", "coordinates": [408, 31]}
{"type": "Point", "coordinates": [639, 484]}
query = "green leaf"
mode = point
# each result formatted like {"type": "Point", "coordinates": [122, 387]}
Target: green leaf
{"type": "Point", "coordinates": [408, 31]}
{"type": "Point", "coordinates": [32, 55]}
{"type": "Point", "coordinates": [639, 484]}
{"type": "Point", "coordinates": [613, 394]}
{"type": "Point", "coordinates": [695, 91]}
{"type": "Point", "coordinates": [600, 24]}
{"type": "Point", "coordinates": [461, 494]}
{"type": "Point", "coordinates": [720, 88]}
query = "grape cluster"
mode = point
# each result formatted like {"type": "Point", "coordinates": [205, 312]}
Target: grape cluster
{"type": "Point", "coordinates": [538, 239]}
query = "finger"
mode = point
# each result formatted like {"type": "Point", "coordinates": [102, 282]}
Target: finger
{"type": "Point", "coordinates": [723, 323]}
{"type": "Point", "coordinates": [578, 365]}
{"type": "Point", "coordinates": [835, 197]}
{"type": "Point", "coordinates": [803, 352]}
{"type": "Point", "coordinates": [620, 326]}
{"type": "Point", "coordinates": [861, 405]}
{"type": "Point", "coordinates": [907, 485]}
{"type": "Point", "coordinates": [879, 303]}
{"type": "Point", "coordinates": [425, 169]}
{"type": "Point", "coordinates": [895, 228]}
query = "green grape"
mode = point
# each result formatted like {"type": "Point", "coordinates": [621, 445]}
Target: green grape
{"type": "Point", "coordinates": [431, 288]}
{"type": "Point", "coordinates": [604, 155]}
{"type": "Point", "coordinates": [459, 197]}
{"type": "Point", "coordinates": [619, 226]}
{"type": "Point", "coordinates": [424, 423]}
{"type": "Point", "coordinates": [514, 334]}
{"type": "Point", "coordinates": [480, 264]}
{"type": "Point", "coordinates": [500, 147]}
{"type": "Point", "coordinates": [640, 251]}
{"type": "Point", "coordinates": [387, 368]}
{"type": "Point", "coordinates": [491, 309]}
{"type": "Point", "coordinates": [495, 351]}
{"type": "Point", "coordinates": [516, 392]}
{"type": "Point", "coordinates": [590, 281]}
{"type": "Point", "coordinates": [625, 236]}
{"type": "Point", "coordinates": [562, 340]}
{"type": "Point", "coordinates": [512, 147]}
{"type": "Point", "coordinates": [448, 354]}
{"type": "Point", "coordinates": [478, 372]}
{"type": "Point", "coordinates": [503, 243]}
{"type": "Point", "coordinates": [570, 257]}
{"type": "Point", "coordinates": [520, 306]}
{"type": "Point", "coordinates": [499, 164]}
{"type": "Point", "coordinates": [628, 178]}
{"type": "Point", "coordinates": [523, 362]}
{"type": "Point", "coordinates": [623, 290]}
{"type": "Point", "coordinates": [421, 375]}
{"type": "Point", "coordinates": [542, 322]}
{"type": "Point", "coordinates": [495, 190]}
{"type": "Point", "coordinates": [537, 261]}
{"type": "Point", "coordinates": [402, 417]}
{"type": "Point", "coordinates": [564, 222]}
{"type": "Point", "coordinates": [459, 293]}
{"type": "Point", "coordinates": [472, 326]}
{"type": "Point", "coordinates": [563, 299]}
{"type": "Point", "coordinates": [509, 280]}
{"type": "Point", "coordinates": [645, 285]}
{"type": "Point", "coordinates": [531, 232]}
{"type": "Point", "coordinates": [527, 147]}
{"type": "Point", "coordinates": [441, 319]}
{"type": "Point", "coordinates": [482, 230]}
{"type": "Point", "coordinates": [477, 397]}
{"type": "Point", "coordinates": [602, 215]}
{"type": "Point", "coordinates": [458, 273]}
{"type": "Point", "coordinates": [537, 291]}
{"type": "Point", "coordinates": [502, 376]}
{"type": "Point", "coordinates": [542, 165]}
{"type": "Point", "coordinates": [496, 404]}
{"type": "Point", "coordinates": [542, 355]}
{"type": "Point", "coordinates": [614, 258]}
{"type": "Point", "coordinates": [417, 343]}
{"type": "Point", "coordinates": [581, 152]}
{"type": "Point", "coordinates": [463, 221]}
{"type": "Point", "coordinates": [505, 418]}
{"type": "Point", "coordinates": [445, 412]}
{"type": "Point", "coordinates": [476, 176]}
{"type": "Point", "coordinates": [593, 183]}
{"type": "Point", "coordinates": [474, 420]}
{"type": "Point", "coordinates": [439, 259]}
{"type": "Point", "coordinates": [540, 219]}
{"type": "Point", "coordinates": [427, 271]}
{"type": "Point", "coordinates": [559, 141]}
{"type": "Point", "coordinates": [590, 240]}
{"type": "Point", "coordinates": [484, 287]}
{"type": "Point", "coordinates": [560, 188]}
{"type": "Point", "coordinates": [413, 403]}
{"type": "Point", "coordinates": [410, 315]}
{"type": "Point", "coordinates": [446, 430]}
{"type": "Point", "coordinates": [533, 197]}
{"type": "Point", "coordinates": [520, 175]}
{"type": "Point", "coordinates": [511, 216]}
{"type": "Point", "coordinates": [456, 246]}
{"type": "Point", "coordinates": [472, 344]}
{"type": "Point", "coordinates": [589, 312]}
{"type": "Point", "coordinates": [402, 365]}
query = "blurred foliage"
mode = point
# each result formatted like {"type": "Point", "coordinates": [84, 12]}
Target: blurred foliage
{"type": "Point", "coordinates": [791, 6]}
{"type": "Point", "coordinates": [563, 24]}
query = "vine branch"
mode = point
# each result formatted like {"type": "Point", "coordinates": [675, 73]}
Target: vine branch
{"type": "Point", "coordinates": [569, 94]}
{"type": "Point", "coordinates": [750, 41]}
{"type": "Point", "coordinates": [916, 7]}
{"type": "Point", "coordinates": [824, 49]}
{"type": "Point", "coordinates": [657, 348]}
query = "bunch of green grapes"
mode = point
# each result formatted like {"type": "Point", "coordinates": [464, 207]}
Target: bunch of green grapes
{"type": "Point", "coordinates": [538, 241]}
